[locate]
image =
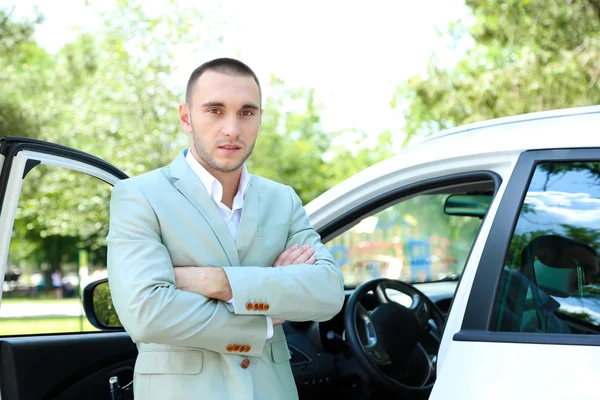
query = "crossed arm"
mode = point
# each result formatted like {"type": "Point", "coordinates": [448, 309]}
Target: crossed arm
{"type": "Point", "coordinates": [153, 310]}
{"type": "Point", "coordinates": [212, 282]}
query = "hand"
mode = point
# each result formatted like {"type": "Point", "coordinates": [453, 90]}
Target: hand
{"type": "Point", "coordinates": [209, 282]}
{"type": "Point", "coordinates": [276, 321]}
{"type": "Point", "coordinates": [296, 255]}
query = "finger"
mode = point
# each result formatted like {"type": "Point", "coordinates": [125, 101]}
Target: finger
{"type": "Point", "coordinates": [311, 260]}
{"type": "Point", "coordinates": [289, 259]}
{"type": "Point", "coordinates": [302, 258]}
{"type": "Point", "coordinates": [279, 260]}
{"type": "Point", "coordinates": [290, 255]}
{"type": "Point", "coordinates": [283, 255]}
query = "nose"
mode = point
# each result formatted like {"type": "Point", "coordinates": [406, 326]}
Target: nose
{"type": "Point", "coordinates": [231, 127]}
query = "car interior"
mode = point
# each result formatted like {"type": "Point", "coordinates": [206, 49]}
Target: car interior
{"type": "Point", "coordinates": [383, 343]}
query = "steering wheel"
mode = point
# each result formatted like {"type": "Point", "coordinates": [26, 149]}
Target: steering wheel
{"type": "Point", "coordinates": [385, 341]}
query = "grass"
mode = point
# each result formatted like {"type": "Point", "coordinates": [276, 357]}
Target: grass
{"type": "Point", "coordinates": [37, 325]}
{"type": "Point", "coordinates": [23, 300]}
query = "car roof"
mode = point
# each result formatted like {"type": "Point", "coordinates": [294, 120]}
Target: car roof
{"type": "Point", "coordinates": [557, 129]}
{"type": "Point", "coordinates": [568, 128]}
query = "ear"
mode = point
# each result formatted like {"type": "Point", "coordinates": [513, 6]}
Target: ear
{"type": "Point", "coordinates": [184, 118]}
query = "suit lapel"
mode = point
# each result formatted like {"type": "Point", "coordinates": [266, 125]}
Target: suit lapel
{"type": "Point", "coordinates": [190, 186]}
{"type": "Point", "coordinates": [249, 219]}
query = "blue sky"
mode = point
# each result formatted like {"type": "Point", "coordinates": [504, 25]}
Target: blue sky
{"type": "Point", "coordinates": [354, 53]}
{"type": "Point", "coordinates": [572, 198]}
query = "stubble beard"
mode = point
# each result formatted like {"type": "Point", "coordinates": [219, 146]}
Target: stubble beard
{"type": "Point", "coordinates": [205, 156]}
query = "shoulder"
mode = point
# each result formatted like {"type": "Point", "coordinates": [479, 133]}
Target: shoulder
{"type": "Point", "coordinates": [275, 190]}
{"type": "Point", "coordinates": [147, 182]}
{"type": "Point", "coordinates": [268, 185]}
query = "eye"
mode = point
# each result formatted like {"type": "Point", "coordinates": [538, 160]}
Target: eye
{"type": "Point", "coordinates": [213, 111]}
{"type": "Point", "coordinates": [247, 113]}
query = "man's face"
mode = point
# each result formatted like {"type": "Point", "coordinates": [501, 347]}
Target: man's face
{"type": "Point", "coordinates": [223, 120]}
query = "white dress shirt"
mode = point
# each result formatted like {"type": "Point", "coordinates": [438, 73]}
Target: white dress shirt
{"type": "Point", "coordinates": [231, 216]}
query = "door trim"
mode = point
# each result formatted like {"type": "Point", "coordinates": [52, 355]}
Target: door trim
{"type": "Point", "coordinates": [10, 146]}
{"type": "Point", "coordinates": [478, 312]}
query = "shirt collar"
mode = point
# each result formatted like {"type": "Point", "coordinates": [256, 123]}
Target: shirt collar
{"type": "Point", "coordinates": [214, 187]}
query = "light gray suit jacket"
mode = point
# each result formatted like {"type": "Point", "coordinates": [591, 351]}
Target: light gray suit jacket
{"type": "Point", "coordinates": [193, 347]}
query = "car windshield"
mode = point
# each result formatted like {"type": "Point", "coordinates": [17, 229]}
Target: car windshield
{"type": "Point", "coordinates": [414, 240]}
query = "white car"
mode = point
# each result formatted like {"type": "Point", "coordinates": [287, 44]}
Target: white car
{"type": "Point", "coordinates": [492, 228]}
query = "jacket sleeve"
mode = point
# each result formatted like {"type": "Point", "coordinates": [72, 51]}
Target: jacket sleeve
{"type": "Point", "coordinates": [142, 284]}
{"type": "Point", "coordinates": [302, 292]}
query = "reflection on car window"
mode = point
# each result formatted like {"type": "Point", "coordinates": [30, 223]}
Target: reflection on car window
{"type": "Point", "coordinates": [550, 282]}
{"type": "Point", "coordinates": [413, 241]}
{"type": "Point", "coordinates": [57, 247]}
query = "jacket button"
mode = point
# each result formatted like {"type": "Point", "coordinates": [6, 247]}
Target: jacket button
{"type": "Point", "coordinates": [246, 349]}
{"type": "Point", "coordinates": [266, 307]}
{"type": "Point", "coordinates": [261, 306]}
{"type": "Point", "coordinates": [256, 307]}
{"type": "Point", "coordinates": [230, 348]}
{"type": "Point", "coordinates": [249, 306]}
{"type": "Point", "coordinates": [236, 347]}
{"type": "Point", "coordinates": [245, 363]}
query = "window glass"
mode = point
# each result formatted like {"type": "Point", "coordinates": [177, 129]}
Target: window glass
{"type": "Point", "coordinates": [57, 247]}
{"type": "Point", "coordinates": [550, 280]}
{"type": "Point", "coordinates": [413, 240]}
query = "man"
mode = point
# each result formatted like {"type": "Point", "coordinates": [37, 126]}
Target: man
{"type": "Point", "coordinates": [206, 261]}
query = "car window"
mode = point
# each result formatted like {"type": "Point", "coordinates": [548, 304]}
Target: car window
{"type": "Point", "coordinates": [550, 279]}
{"type": "Point", "coordinates": [413, 240]}
{"type": "Point", "coordinates": [57, 247]}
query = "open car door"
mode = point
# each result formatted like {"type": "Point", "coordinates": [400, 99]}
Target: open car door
{"type": "Point", "coordinates": [54, 205]}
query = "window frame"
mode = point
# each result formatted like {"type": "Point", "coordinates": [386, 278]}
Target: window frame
{"type": "Point", "coordinates": [346, 221]}
{"type": "Point", "coordinates": [478, 312]}
{"type": "Point", "coordinates": [21, 155]}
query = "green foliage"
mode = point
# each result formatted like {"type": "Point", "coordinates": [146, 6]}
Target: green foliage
{"type": "Point", "coordinates": [109, 94]}
{"type": "Point", "coordinates": [20, 55]}
{"type": "Point", "coordinates": [528, 55]}
{"type": "Point", "coordinates": [103, 306]}
{"type": "Point", "coordinates": [292, 143]}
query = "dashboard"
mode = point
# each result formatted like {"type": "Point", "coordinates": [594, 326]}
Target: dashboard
{"type": "Point", "coordinates": [321, 360]}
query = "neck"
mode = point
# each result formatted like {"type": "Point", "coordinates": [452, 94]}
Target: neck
{"type": "Point", "coordinates": [230, 182]}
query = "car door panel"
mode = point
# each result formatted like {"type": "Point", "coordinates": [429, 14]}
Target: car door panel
{"type": "Point", "coordinates": [479, 362]}
{"type": "Point", "coordinates": [484, 370]}
{"type": "Point", "coordinates": [70, 366]}
{"type": "Point", "coordinates": [55, 366]}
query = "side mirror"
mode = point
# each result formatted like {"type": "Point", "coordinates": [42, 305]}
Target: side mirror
{"type": "Point", "coordinates": [467, 205]}
{"type": "Point", "coordinates": [99, 308]}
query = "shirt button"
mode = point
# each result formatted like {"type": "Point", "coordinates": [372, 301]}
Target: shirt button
{"type": "Point", "coordinates": [245, 363]}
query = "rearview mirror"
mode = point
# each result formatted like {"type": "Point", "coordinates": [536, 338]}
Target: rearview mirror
{"type": "Point", "coordinates": [99, 308]}
{"type": "Point", "coordinates": [467, 205]}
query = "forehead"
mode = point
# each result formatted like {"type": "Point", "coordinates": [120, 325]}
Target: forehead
{"type": "Point", "coordinates": [228, 89]}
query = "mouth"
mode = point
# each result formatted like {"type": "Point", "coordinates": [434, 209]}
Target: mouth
{"type": "Point", "coordinates": [230, 148]}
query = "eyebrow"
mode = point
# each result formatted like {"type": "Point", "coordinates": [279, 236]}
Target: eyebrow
{"type": "Point", "coordinates": [220, 104]}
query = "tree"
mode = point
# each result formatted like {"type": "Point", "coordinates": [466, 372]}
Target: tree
{"type": "Point", "coordinates": [109, 94]}
{"type": "Point", "coordinates": [528, 55]}
{"type": "Point", "coordinates": [293, 148]}
{"type": "Point", "coordinates": [291, 142]}
{"type": "Point", "coordinates": [20, 57]}
{"type": "Point", "coordinates": [103, 94]}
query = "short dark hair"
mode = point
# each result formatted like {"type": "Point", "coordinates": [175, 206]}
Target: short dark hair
{"type": "Point", "coordinates": [227, 66]}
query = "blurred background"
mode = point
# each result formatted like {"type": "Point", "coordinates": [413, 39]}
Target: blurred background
{"type": "Point", "coordinates": [345, 86]}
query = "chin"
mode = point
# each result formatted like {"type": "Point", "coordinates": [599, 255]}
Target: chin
{"type": "Point", "coordinates": [228, 167]}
